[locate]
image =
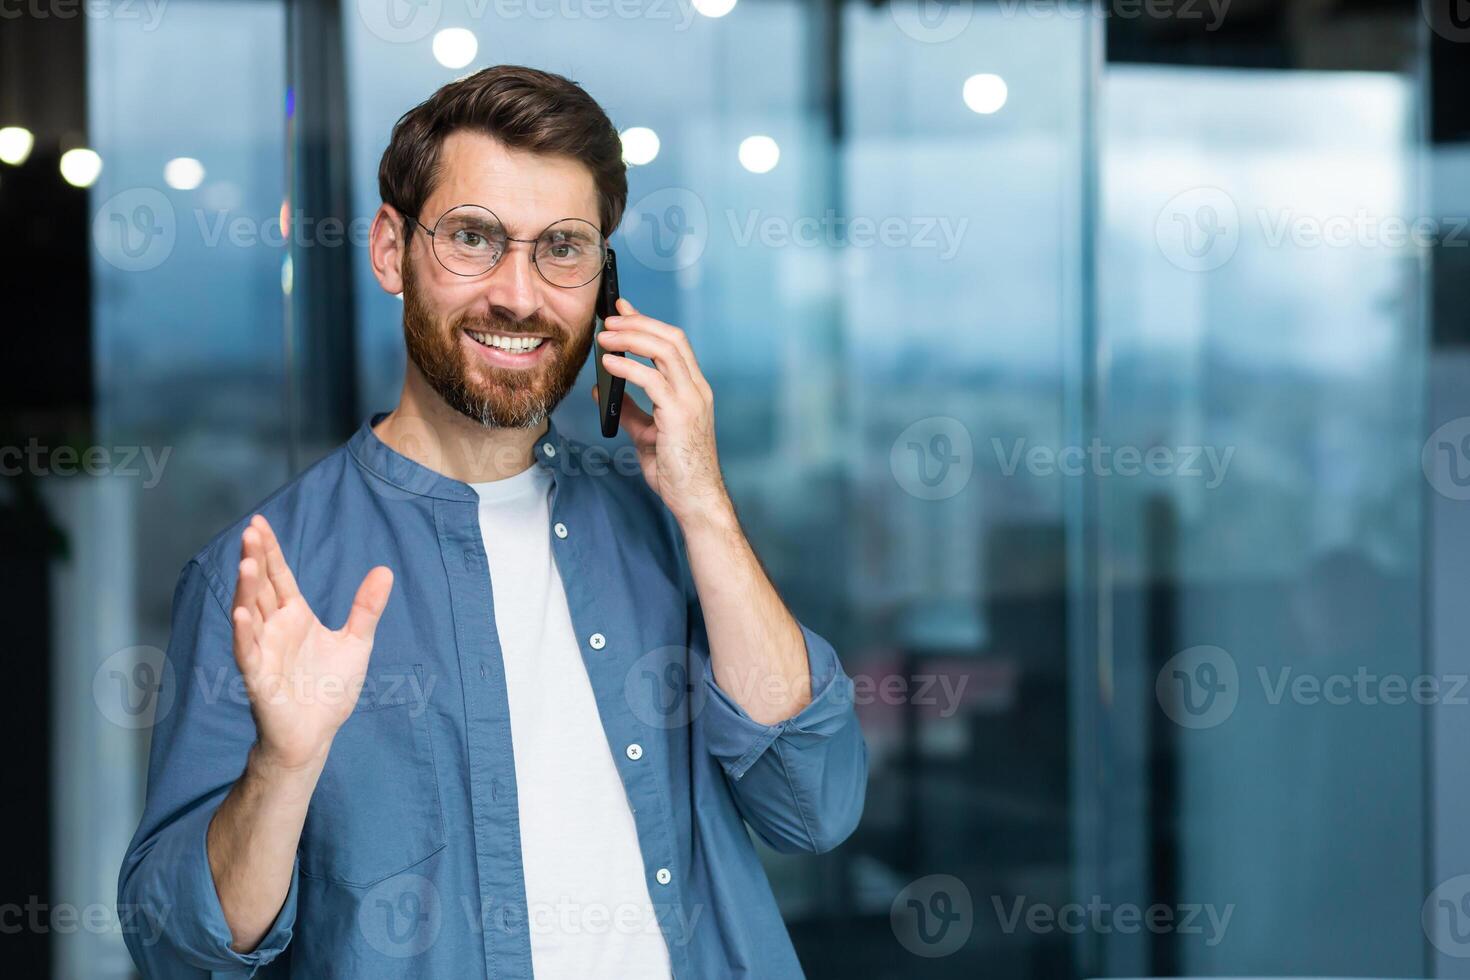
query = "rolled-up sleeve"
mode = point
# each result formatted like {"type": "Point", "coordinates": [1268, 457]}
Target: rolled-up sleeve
{"type": "Point", "coordinates": [201, 738]}
{"type": "Point", "coordinates": [800, 783]}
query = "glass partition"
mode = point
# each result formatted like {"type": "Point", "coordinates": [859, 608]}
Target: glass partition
{"type": "Point", "coordinates": [1262, 342]}
{"type": "Point", "coordinates": [187, 323]}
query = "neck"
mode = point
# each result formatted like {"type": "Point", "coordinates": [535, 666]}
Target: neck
{"type": "Point", "coordinates": [426, 430]}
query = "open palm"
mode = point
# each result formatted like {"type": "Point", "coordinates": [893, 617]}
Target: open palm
{"type": "Point", "coordinates": [302, 678]}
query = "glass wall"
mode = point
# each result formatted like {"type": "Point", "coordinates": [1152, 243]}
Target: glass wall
{"type": "Point", "coordinates": [961, 349]}
{"type": "Point", "coordinates": [1262, 333]}
{"type": "Point", "coordinates": [188, 340]}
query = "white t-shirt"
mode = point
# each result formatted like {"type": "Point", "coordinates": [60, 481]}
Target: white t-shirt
{"type": "Point", "coordinates": [588, 905]}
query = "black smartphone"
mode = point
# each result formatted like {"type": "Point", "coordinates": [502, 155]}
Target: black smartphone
{"type": "Point", "coordinates": [609, 386]}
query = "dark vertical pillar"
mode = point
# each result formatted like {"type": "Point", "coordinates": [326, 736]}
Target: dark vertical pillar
{"type": "Point", "coordinates": [321, 348]}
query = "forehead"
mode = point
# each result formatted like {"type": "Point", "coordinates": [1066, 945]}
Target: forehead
{"type": "Point", "coordinates": [526, 190]}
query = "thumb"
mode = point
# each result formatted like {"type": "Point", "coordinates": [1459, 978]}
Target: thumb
{"type": "Point", "coordinates": [368, 605]}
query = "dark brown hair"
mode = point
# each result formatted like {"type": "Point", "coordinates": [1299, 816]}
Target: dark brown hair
{"type": "Point", "coordinates": [523, 108]}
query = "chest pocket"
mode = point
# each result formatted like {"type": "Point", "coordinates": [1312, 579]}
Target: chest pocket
{"type": "Point", "coordinates": [376, 809]}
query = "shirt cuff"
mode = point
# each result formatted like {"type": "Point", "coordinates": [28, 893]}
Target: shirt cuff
{"type": "Point", "coordinates": [197, 925]}
{"type": "Point", "coordinates": [738, 740]}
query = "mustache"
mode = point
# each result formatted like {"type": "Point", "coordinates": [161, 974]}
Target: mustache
{"type": "Point", "coordinates": [534, 325]}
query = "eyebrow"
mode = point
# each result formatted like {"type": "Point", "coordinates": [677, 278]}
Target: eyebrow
{"type": "Point", "coordinates": [517, 230]}
{"type": "Point", "coordinates": [573, 233]}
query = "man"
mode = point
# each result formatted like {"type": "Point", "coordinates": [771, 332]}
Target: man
{"type": "Point", "coordinates": [562, 691]}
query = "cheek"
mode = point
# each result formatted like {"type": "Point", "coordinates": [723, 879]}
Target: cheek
{"type": "Point", "coordinates": [574, 312]}
{"type": "Point", "coordinates": [441, 291]}
{"type": "Point", "coordinates": [449, 307]}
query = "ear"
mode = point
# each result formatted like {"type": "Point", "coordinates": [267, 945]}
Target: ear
{"type": "Point", "coordinates": [387, 246]}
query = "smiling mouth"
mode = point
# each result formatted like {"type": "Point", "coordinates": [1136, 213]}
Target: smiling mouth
{"type": "Point", "coordinates": [508, 343]}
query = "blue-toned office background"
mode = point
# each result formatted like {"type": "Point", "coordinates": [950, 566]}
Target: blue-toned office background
{"type": "Point", "coordinates": [1094, 374]}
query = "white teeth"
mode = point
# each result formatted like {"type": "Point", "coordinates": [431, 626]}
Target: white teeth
{"type": "Point", "coordinates": [515, 345]}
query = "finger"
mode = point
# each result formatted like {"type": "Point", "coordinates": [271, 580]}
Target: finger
{"type": "Point", "coordinates": [635, 421]}
{"type": "Point", "coordinates": [247, 584]}
{"type": "Point", "coordinates": [241, 596]}
{"type": "Point", "coordinates": [245, 617]}
{"type": "Point", "coordinates": [265, 594]}
{"type": "Point", "coordinates": [276, 568]}
{"type": "Point", "coordinates": [637, 324]}
{"type": "Point", "coordinates": [669, 332]}
{"type": "Point", "coordinates": [244, 637]}
{"type": "Point", "coordinates": [640, 426]}
{"type": "Point", "coordinates": [663, 353]}
{"type": "Point", "coordinates": [368, 606]}
{"type": "Point", "coordinates": [649, 379]}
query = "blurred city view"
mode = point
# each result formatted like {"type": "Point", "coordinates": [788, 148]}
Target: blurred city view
{"type": "Point", "coordinates": [1093, 374]}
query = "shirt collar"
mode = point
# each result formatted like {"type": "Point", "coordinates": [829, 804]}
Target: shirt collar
{"type": "Point", "coordinates": [374, 455]}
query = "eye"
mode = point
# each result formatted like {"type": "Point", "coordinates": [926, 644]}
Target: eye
{"type": "Point", "coordinates": [564, 247]}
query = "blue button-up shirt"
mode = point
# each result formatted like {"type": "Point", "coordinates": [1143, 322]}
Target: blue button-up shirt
{"type": "Point", "coordinates": [410, 861]}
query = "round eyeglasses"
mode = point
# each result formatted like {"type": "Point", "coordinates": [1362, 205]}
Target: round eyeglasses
{"type": "Point", "coordinates": [469, 240]}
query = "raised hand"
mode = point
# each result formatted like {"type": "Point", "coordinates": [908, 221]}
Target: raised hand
{"type": "Point", "coordinates": [302, 678]}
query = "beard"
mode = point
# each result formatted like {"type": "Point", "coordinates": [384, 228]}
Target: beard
{"type": "Point", "coordinates": [506, 398]}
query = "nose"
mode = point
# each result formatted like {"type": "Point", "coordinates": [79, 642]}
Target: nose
{"type": "Point", "coordinates": [513, 287]}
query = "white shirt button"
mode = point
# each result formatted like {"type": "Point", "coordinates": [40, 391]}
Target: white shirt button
{"type": "Point", "coordinates": [560, 529]}
{"type": "Point", "coordinates": [635, 751]}
{"type": "Point", "coordinates": [549, 449]}
{"type": "Point", "coordinates": [662, 876]}
{"type": "Point", "coordinates": [597, 640]}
